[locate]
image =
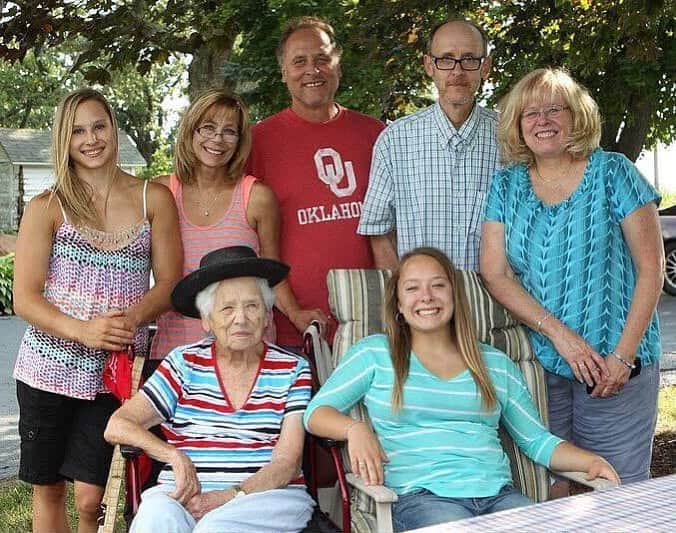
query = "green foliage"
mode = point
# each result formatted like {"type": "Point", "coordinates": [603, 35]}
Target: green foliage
{"type": "Point", "coordinates": [623, 50]}
{"type": "Point", "coordinates": [137, 100]}
{"type": "Point", "coordinates": [6, 283]}
{"type": "Point", "coordinates": [30, 90]}
{"type": "Point", "coordinates": [162, 163]}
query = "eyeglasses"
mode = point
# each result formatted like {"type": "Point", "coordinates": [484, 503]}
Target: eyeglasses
{"type": "Point", "coordinates": [552, 111]}
{"type": "Point", "coordinates": [449, 63]}
{"type": "Point", "coordinates": [209, 132]}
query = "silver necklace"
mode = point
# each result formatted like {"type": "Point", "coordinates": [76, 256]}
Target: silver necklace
{"type": "Point", "coordinates": [206, 209]}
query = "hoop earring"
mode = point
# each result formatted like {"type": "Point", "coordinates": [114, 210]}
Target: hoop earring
{"type": "Point", "coordinates": [400, 318]}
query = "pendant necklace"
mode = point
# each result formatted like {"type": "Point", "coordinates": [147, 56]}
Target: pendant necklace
{"type": "Point", "coordinates": [206, 209]}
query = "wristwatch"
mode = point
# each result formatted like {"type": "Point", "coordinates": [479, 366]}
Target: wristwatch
{"type": "Point", "coordinates": [239, 491]}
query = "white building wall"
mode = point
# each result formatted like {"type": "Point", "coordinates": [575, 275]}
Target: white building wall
{"type": "Point", "coordinates": [666, 167]}
{"type": "Point", "coordinates": [35, 180]}
{"type": "Point", "coordinates": [38, 178]}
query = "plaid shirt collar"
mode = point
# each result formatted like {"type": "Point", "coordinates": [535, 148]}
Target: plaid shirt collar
{"type": "Point", "coordinates": [459, 139]}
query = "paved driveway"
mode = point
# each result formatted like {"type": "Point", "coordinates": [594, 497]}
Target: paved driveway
{"type": "Point", "coordinates": [11, 330]}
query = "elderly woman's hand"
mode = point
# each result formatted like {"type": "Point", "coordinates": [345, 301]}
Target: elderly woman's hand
{"type": "Point", "coordinates": [587, 365]}
{"type": "Point", "coordinates": [202, 503]}
{"type": "Point", "coordinates": [366, 454]}
{"type": "Point", "coordinates": [187, 484]}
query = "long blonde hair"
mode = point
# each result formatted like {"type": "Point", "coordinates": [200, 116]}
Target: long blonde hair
{"type": "Point", "coordinates": [206, 103]}
{"type": "Point", "coordinates": [462, 329]}
{"type": "Point", "coordinates": [74, 193]}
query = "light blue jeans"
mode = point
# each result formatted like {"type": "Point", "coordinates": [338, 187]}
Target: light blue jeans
{"type": "Point", "coordinates": [273, 511]}
{"type": "Point", "coordinates": [422, 508]}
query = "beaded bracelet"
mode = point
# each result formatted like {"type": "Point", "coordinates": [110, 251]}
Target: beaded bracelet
{"type": "Point", "coordinates": [538, 326]}
{"type": "Point", "coordinates": [619, 357]}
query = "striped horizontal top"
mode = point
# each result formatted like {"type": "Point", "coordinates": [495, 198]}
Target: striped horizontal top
{"type": "Point", "coordinates": [442, 439]}
{"type": "Point", "coordinates": [226, 445]}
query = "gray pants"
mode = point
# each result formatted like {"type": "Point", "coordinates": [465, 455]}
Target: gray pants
{"type": "Point", "coordinates": [619, 428]}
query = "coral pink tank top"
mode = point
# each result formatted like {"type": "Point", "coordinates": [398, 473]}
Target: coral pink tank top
{"type": "Point", "coordinates": [174, 329]}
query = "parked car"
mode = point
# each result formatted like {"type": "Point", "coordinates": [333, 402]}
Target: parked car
{"type": "Point", "coordinates": [668, 223]}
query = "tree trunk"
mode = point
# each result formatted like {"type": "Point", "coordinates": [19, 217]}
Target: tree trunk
{"type": "Point", "coordinates": [610, 126]}
{"type": "Point", "coordinates": [206, 71]}
{"type": "Point", "coordinates": [636, 127]}
{"type": "Point", "coordinates": [146, 146]}
{"type": "Point", "coordinates": [26, 113]}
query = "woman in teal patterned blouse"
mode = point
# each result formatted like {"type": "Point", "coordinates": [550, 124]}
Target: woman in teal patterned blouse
{"type": "Point", "coordinates": [571, 245]}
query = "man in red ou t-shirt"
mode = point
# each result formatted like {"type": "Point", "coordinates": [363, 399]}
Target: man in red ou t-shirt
{"type": "Point", "coordinates": [315, 155]}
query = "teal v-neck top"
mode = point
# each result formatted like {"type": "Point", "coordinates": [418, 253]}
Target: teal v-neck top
{"type": "Point", "coordinates": [442, 439]}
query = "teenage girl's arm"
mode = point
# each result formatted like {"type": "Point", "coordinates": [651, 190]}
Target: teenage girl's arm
{"type": "Point", "coordinates": [567, 457]}
{"type": "Point", "coordinates": [263, 215]}
{"type": "Point", "coordinates": [166, 257]}
{"type": "Point", "coordinates": [41, 220]}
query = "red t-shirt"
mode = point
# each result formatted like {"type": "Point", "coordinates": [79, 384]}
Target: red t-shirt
{"type": "Point", "coordinates": [319, 173]}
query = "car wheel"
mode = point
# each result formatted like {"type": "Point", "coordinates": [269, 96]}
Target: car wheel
{"type": "Point", "coordinates": [670, 268]}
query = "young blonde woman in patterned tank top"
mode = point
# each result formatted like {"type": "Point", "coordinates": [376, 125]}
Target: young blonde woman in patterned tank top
{"type": "Point", "coordinates": [218, 206]}
{"type": "Point", "coordinates": [83, 260]}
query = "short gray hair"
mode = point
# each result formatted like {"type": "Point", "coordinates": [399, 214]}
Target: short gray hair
{"type": "Point", "coordinates": [204, 301]}
{"type": "Point", "coordinates": [305, 23]}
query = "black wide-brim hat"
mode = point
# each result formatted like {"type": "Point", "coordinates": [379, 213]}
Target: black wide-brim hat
{"type": "Point", "coordinates": [224, 263]}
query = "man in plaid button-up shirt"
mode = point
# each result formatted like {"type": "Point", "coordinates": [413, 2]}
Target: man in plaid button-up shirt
{"type": "Point", "coordinates": [431, 170]}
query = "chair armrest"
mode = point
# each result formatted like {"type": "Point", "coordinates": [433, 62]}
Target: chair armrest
{"type": "Point", "coordinates": [318, 351]}
{"type": "Point", "coordinates": [327, 443]}
{"type": "Point", "coordinates": [130, 452]}
{"type": "Point", "coordinates": [379, 493]}
{"type": "Point", "coordinates": [580, 477]}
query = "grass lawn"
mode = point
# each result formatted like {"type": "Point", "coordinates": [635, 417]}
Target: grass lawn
{"type": "Point", "coordinates": [15, 496]}
{"type": "Point", "coordinates": [668, 198]}
{"type": "Point", "coordinates": [15, 508]}
{"type": "Point", "coordinates": [666, 416]}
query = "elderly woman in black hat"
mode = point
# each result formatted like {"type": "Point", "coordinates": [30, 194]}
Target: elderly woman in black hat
{"type": "Point", "coordinates": [231, 408]}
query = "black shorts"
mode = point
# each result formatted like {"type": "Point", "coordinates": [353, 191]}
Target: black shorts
{"type": "Point", "coordinates": [62, 437]}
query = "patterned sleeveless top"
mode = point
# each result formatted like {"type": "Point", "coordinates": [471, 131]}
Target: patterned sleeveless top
{"type": "Point", "coordinates": [174, 329]}
{"type": "Point", "coordinates": [90, 272]}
